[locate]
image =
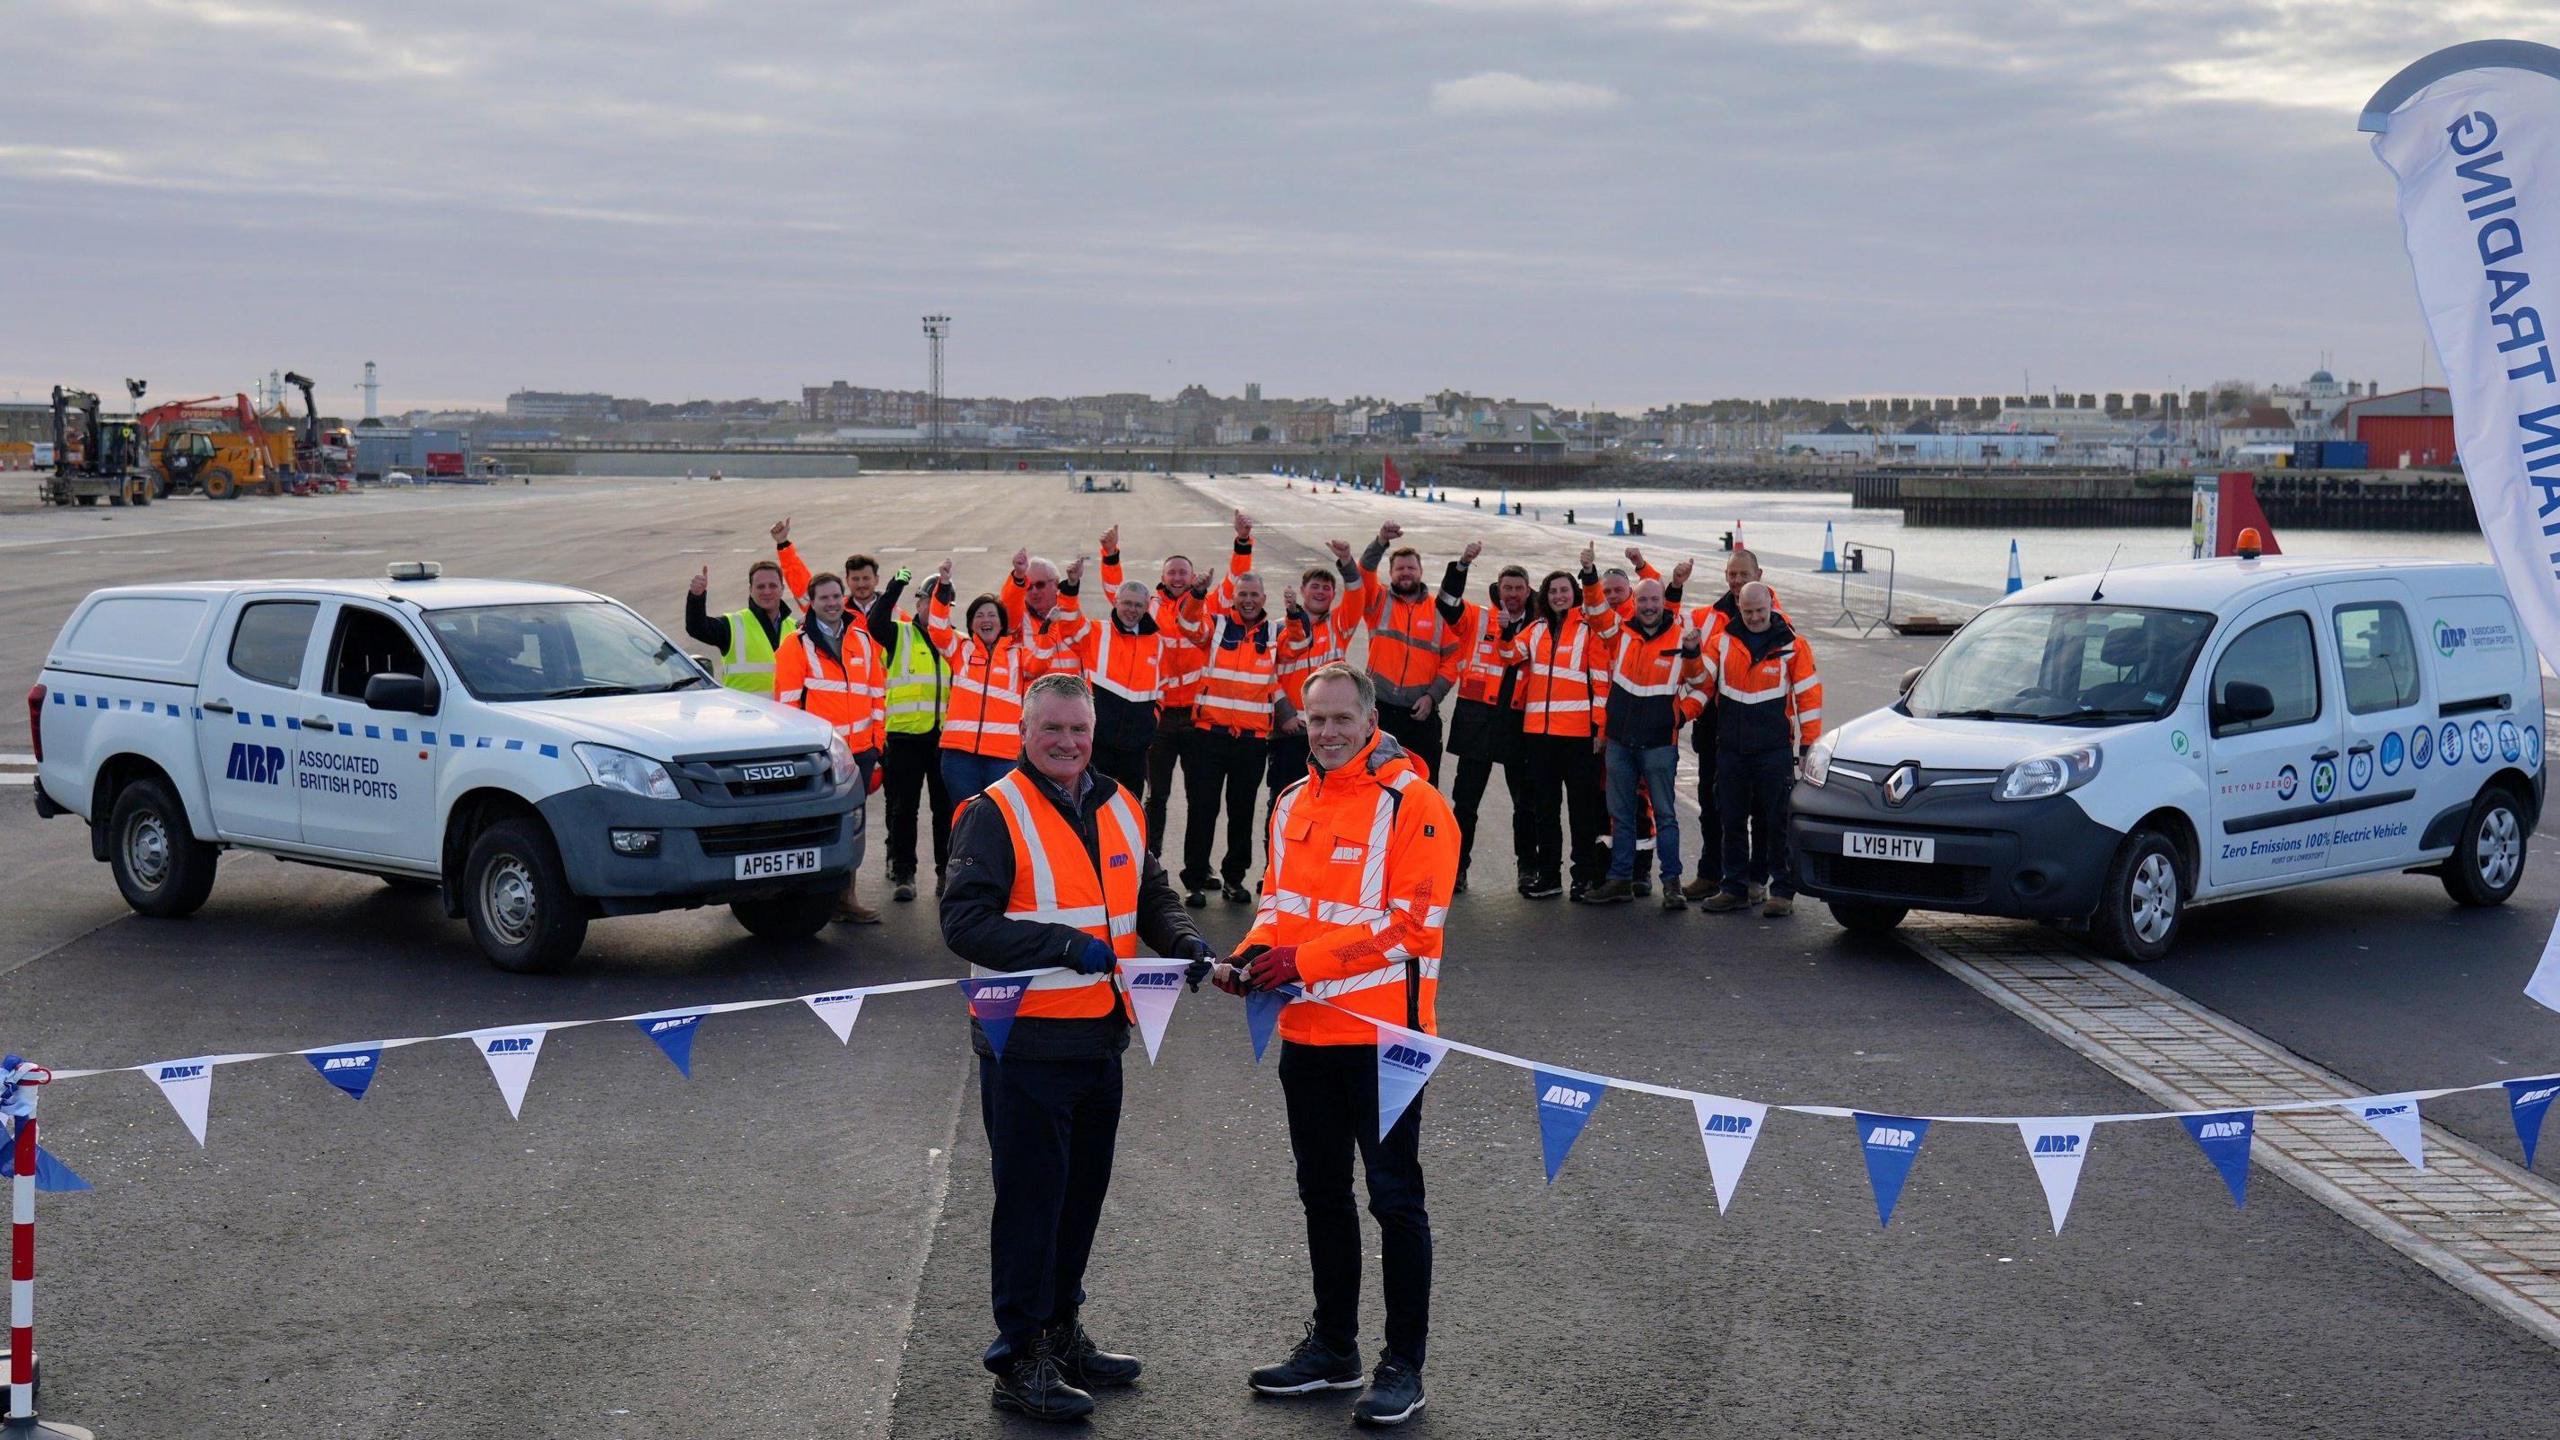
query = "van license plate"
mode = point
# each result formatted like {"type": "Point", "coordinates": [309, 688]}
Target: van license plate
{"type": "Point", "coordinates": [778, 862]}
{"type": "Point", "coordinates": [1868, 845]}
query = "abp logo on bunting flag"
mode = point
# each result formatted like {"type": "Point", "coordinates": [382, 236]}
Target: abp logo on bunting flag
{"type": "Point", "coordinates": [1565, 1102]}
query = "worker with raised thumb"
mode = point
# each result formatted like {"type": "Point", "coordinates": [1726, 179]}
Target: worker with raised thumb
{"type": "Point", "coordinates": [1363, 854]}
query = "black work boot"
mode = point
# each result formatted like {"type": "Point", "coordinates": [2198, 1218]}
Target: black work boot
{"type": "Point", "coordinates": [1314, 1365]}
{"type": "Point", "coordinates": [1087, 1365]}
{"type": "Point", "coordinates": [1393, 1397]}
{"type": "Point", "coordinates": [1032, 1384]}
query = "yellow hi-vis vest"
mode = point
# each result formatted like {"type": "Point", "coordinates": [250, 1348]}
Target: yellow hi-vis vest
{"type": "Point", "coordinates": [919, 683]}
{"type": "Point", "coordinates": [748, 665]}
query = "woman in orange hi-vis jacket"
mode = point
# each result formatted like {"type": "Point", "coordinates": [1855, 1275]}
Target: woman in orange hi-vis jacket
{"type": "Point", "coordinates": [982, 732]}
{"type": "Point", "coordinates": [1563, 686]}
{"type": "Point", "coordinates": [832, 668]}
{"type": "Point", "coordinates": [1363, 858]}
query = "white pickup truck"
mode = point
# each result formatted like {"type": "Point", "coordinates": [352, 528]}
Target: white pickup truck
{"type": "Point", "coordinates": [540, 754]}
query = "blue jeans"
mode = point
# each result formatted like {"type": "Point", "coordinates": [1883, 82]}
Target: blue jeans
{"type": "Point", "coordinates": [964, 774]}
{"type": "Point", "coordinates": [1657, 769]}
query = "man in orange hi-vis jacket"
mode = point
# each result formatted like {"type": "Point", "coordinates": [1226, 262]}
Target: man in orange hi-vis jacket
{"type": "Point", "coordinates": [1363, 857]}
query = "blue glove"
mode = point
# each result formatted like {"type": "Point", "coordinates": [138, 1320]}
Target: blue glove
{"type": "Point", "coordinates": [1096, 958]}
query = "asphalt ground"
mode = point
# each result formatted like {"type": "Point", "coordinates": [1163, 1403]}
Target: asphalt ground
{"type": "Point", "coordinates": [792, 1243]}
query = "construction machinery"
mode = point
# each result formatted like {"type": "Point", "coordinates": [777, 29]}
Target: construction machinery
{"type": "Point", "coordinates": [95, 457]}
{"type": "Point", "coordinates": [322, 459]}
{"type": "Point", "coordinates": [219, 447]}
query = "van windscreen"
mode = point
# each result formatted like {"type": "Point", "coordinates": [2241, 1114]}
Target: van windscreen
{"type": "Point", "coordinates": [2063, 665]}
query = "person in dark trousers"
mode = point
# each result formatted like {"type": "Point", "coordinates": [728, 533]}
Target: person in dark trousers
{"type": "Point", "coordinates": [1484, 723]}
{"type": "Point", "coordinates": [1740, 568]}
{"type": "Point", "coordinates": [1771, 695]}
{"type": "Point", "coordinates": [919, 684]}
{"type": "Point", "coordinates": [1054, 835]}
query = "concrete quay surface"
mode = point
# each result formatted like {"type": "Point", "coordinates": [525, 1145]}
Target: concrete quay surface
{"type": "Point", "coordinates": [793, 1242]}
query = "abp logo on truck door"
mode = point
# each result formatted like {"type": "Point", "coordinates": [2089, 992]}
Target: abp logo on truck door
{"type": "Point", "coordinates": [256, 764]}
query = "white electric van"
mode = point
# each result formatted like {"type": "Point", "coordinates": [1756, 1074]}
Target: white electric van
{"type": "Point", "coordinates": [2107, 751]}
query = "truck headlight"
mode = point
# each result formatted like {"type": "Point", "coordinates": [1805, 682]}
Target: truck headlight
{"type": "Point", "coordinates": [1817, 758]}
{"type": "Point", "coordinates": [840, 766]}
{"type": "Point", "coordinates": [621, 770]}
{"type": "Point", "coordinates": [2041, 776]}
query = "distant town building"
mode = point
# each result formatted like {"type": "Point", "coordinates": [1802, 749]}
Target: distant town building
{"type": "Point", "coordinates": [559, 405]}
{"type": "Point", "coordinates": [2405, 429]}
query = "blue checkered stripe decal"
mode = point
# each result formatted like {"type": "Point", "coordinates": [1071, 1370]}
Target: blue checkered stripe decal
{"type": "Point", "coordinates": [400, 734]}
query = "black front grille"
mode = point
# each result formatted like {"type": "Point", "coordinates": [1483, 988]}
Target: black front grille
{"type": "Point", "coordinates": [771, 835]}
{"type": "Point", "coordinates": [726, 779]}
{"type": "Point", "coordinates": [1901, 880]}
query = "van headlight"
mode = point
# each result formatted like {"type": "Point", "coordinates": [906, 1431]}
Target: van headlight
{"type": "Point", "coordinates": [1817, 758]}
{"type": "Point", "coordinates": [840, 766]}
{"type": "Point", "coordinates": [621, 770]}
{"type": "Point", "coordinates": [2042, 776]}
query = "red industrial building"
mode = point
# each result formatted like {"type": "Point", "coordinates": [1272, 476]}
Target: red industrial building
{"type": "Point", "coordinates": [2407, 429]}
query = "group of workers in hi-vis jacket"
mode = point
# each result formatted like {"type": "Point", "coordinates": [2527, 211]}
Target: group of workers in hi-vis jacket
{"type": "Point", "coordinates": [1575, 686]}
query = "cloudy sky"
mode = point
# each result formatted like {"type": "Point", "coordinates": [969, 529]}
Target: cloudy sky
{"type": "Point", "coordinates": [1622, 201]}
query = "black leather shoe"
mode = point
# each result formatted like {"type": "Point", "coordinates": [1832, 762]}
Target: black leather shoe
{"type": "Point", "coordinates": [1313, 1366]}
{"type": "Point", "coordinates": [1033, 1385]}
{"type": "Point", "coordinates": [1460, 887]}
{"type": "Point", "coordinates": [1197, 900]}
{"type": "Point", "coordinates": [1393, 1397]}
{"type": "Point", "coordinates": [1236, 893]}
{"type": "Point", "coordinates": [1087, 1365]}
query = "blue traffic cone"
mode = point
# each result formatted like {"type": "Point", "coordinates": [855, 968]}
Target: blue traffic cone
{"type": "Point", "coordinates": [1503, 505]}
{"type": "Point", "coordinates": [2015, 583]}
{"type": "Point", "coordinates": [1618, 524]}
{"type": "Point", "coordinates": [1830, 556]}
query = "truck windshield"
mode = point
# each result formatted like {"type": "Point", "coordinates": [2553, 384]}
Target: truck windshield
{"type": "Point", "coordinates": [2062, 665]}
{"type": "Point", "coordinates": [559, 651]}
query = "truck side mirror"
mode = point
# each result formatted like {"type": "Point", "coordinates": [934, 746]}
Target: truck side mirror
{"type": "Point", "coordinates": [408, 694]}
{"type": "Point", "coordinates": [704, 663]}
{"type": "Point", "coordinates": [1910, 678]}
{"type": "Point", "coordinates": [2243, 703]}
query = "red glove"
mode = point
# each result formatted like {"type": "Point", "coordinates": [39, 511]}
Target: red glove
{"type": "Point", "coordinates": [879, 773]}
{"type": "Point", "coordinates": [1274, 968]}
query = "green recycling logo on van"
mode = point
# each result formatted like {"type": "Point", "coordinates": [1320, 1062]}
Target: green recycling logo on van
{"type": "Point", "coordinates": [2178, 742]}
{"type": "Point", "coordinates": [2324, 780]}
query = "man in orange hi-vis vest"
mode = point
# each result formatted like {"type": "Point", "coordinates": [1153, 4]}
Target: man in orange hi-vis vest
{"type": "Point", "coordinates": [1363, 858]}
{"type": "Point", "coordinates": [1050, 873]}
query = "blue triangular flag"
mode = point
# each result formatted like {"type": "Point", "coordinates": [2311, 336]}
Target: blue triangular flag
{"type": "Point", "coordinates": [1262, 1016]}
{"type": "Point", "coordinates": [2224, 1138]}
{"type": "Point", "coordinates": [52, 1176]}
{"type": "Point", "coordinates": [1405, 1063]}
{"type": "Point", "coordinates": [673, 1034]}
{"type": "Point", "coordinates": [2527, 1100]}
{"type": "Point", "coordinates": [992, 1003]}
{"type": "Point", "coordinates": [1565, 1103]}
{"type": "Point", "coordinates": [1891, 1142]}
{"type": "Point", "coordinates": [350, 1068]}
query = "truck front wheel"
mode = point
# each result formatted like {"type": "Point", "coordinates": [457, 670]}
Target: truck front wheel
{"type": "Point", "coordinates": [796, 916]}
{"type": "Point", "coordinates": [162, 868]}
{"type": "Point", "coordinates": [518, 899]}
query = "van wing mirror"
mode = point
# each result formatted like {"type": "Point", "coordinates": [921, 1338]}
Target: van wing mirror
{"type": "Point", "coordinates": [2243, 703]}
{"type": "Point", "coordinates": [1910, 678]}
{"type": "Point", "coordinates": [406, 694]}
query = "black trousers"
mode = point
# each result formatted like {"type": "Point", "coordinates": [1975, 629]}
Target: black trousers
{"type": "Point", "coordinates": [1702, 741]}
{"type": "Point", "coordinates": [1124, 763]}
{"type": "Point", "coordinates": [1052, 1126]}
{"type": "Point", "coordinates": [1568, 806]}
{"type": "Point", "coordinates": [1752, 790]}
{"type": "Point", "coordinates": [914, 771]}
{"type": "Point", "coordinates": [1228, 767]}
{"type": "Point", "coordinates": [1467, 798]}
{"type": "Point", "coordinates": [1332, 1095]}
{"type": "Point", "coordinates": [1171, 750]}
{"type": "Point", "coordinates": [1420, 738]}
{"type": "Point", "coordinates": [1288, 760]}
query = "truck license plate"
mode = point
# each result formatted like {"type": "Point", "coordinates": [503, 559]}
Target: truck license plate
{"type": "Point", "coordinates": [1869, 845]}
{"type": "Point", "coordinates": [778, 862]}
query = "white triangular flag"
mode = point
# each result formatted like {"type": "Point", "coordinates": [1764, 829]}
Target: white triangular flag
{"type": "Point", "coordinates": [2058, 1147]}
{"type": "Point", "coordinates": [2395, 1119]}
{"type": "Point", "coordinates": [511, 1054]}
{"type": "Point", "coordinates": [1153, 989]}
{"type": "Point", "coordinates": [188, 1086]}
{"type": "Point", "coordinates": [2544, 987]}
{"type": "Point", "coordinates": [839, 1009]}
{"type": "Point", "coordinates": [1730, 1128]}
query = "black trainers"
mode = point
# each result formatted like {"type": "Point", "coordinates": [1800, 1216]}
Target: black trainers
{"type": "Point", "coordinates": [1197, 900]}
{"type": "Point", "coordinates": [1393, 1397]}
{"type": "Point", "coordinates": [1641, 889]}
{"type": "Point", "coordinates": [1032, 1384]}
{"type": "Point", "coordinates": [1087, 1365]}
{"type": "Point", "coordinates": [1312, 1366]}
{"type": "Point", "coordinates": [1608, 892]}
{"type": "Point", "coordinates": [1542, 887]}
{"type": "Point", "coordinates": [1459, 887]}
{"type": "Point", "coordinates": [903, 890]}
{"type": "Point", "coordinates": [1236, 894]}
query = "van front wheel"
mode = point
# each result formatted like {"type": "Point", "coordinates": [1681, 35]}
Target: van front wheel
{"type": "Point", "coordinates": [2144, 899]}
{"type": "Point", "coordinates": [2488, 861]}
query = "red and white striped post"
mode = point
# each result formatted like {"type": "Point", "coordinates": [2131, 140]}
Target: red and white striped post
{"type": "Point", "coordinates": [22, 1084]}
